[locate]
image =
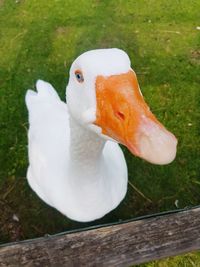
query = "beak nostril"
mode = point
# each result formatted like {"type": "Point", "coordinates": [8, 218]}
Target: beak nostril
{"type": "Point", "coordinates": [120, 115]}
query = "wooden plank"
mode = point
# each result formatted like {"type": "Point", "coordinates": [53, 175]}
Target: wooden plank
{"type": "Point", "coordinates": [118, 245]}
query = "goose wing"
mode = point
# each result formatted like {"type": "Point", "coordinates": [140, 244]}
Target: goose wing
{"type": "Point", "coordinates": [48, 139]}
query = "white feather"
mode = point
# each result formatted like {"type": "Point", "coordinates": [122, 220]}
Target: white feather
{"type": "Point", "coordinates": [71, 167]}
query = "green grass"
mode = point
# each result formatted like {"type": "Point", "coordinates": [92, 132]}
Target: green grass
{"type": "Point", "coordinates": [40, 39]}
{"type": "Point", "coordinates": [187, 260]}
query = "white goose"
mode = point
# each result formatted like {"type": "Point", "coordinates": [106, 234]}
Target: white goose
{"type": "Point", "coordinates": [74, 164]}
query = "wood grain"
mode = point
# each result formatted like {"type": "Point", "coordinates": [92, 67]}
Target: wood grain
{"type": "Point", "coordinates": [117, 245]}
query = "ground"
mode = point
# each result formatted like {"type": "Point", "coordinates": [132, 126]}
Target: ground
{"type": "Point", "coordinates": [40, 39]}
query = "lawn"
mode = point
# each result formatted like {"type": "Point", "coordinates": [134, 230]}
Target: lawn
{"type": "Point", "coordinates": [40, 39]}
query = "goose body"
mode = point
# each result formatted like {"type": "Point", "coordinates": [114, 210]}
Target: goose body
{"type": "Point", "coordinates": [75, 162]}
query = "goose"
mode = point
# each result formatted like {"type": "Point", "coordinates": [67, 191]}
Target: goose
{"type": "Point", "coordinates": [75, 162]}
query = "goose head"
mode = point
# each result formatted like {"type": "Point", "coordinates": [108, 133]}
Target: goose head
{"type": "Point", "coordinates": [103, 95]}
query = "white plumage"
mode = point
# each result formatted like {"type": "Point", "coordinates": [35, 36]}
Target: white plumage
{"type": "Point", "coordinates": [73, 166]}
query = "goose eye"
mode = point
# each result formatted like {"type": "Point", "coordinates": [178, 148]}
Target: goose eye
{"type": "Point", "coordinates": [79, 76]}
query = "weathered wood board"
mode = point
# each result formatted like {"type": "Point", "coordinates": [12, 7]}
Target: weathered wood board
{"type": "Point", "coordinates": [117, 245]}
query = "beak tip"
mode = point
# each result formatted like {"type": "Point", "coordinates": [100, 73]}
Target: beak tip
{"type": "Point", "coordinates": [157, 149]}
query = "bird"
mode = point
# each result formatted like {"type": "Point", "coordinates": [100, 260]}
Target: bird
{"type": "Point", "coordinates": [76, 164]}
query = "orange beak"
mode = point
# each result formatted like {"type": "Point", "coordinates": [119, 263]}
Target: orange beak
{"type": "Point", "coordinates": [124, 116]}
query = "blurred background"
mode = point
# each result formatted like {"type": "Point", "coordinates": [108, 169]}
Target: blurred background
{"type": "Point", "coordinates": [40, 39]}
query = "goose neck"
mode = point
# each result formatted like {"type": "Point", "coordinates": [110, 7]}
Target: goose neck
{"type": "Point", "coordinates": [85, 145]}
